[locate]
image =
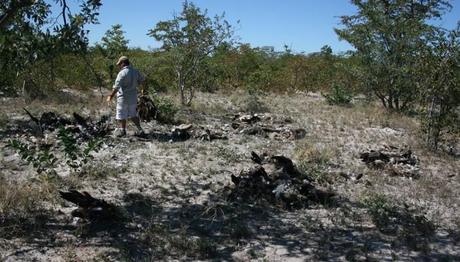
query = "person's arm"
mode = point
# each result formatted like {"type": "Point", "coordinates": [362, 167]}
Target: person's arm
{"type": "Point", "coordinates": [110, 97]}
{"type": "Point", "coordinates": [116, 86]}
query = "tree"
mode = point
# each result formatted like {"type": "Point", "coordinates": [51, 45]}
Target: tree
{"type": "Point", "coordinates": [30, 33]}
{"type": "Point", "coordinates": [190, 38]}
{"type": "Point", "coordinates": [439, 70]}
{"type": "Point", "coordinates": [113, 45]}
{"type": "Point", "coordinates": [114, 41]}
{"type": "Point", "coordinates": [10, 9]}
{"type": "Point", "coordinates": [388, 35]}
{"type": "Point", "coordinates": [224, 62]}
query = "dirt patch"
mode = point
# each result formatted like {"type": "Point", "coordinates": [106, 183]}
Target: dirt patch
{"type": "Point", "coordinates": [169, 190]}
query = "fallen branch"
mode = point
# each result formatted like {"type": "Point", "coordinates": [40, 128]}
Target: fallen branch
{"type": "Point", "coordinates": [90, 208]}
{"type": "Point", "coordinates": [283, 184]}
{"type": "Point", "coordinates": [398, 162]}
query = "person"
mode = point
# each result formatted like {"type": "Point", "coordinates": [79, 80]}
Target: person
{"type": "Point", "coordinates": [125, 87]}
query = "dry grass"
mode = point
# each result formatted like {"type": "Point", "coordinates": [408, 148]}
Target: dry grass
{"type": "Point", "coordinates": [23, 202]}
{"type": "Point", "coordinates": [315, 153]}
{"type": "Point", "coordinates": [3, 121]}
{"type": "Point", "coordinates": [178, 243]}
{"type": "Point", "coordinates": [19, 200]}
{"type": "Point", "coordinates": [98, 171]}
{"type": "Point", "coordinates": [211, 108]}
{"type": "Point", "coordinates": [179, 183]}
{"type": "Point", "coordinates": [249, 102]}
{"type": "Point", "coordinates": [22, 205]}
{"type": "Point", "coordinates": [88, 103]}
{"type": "Point", "coordinates": [314, 159]}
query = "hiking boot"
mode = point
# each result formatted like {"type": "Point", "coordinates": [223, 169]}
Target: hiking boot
{"type": "Point", "coordinates": [119, 132]}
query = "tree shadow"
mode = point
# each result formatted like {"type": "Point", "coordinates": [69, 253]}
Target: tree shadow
{"type": "Point", "coordinates": [19, 127]}
{"type": "Point", "coordinates": [153, 229]}
{"type": "Point", "coordinates": [165, 137]}
{"type": "Point", "coordinates": [38, 230]}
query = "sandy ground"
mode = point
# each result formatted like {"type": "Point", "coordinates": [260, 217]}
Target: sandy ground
{"type": "Point", "coordinates": [170, 192]}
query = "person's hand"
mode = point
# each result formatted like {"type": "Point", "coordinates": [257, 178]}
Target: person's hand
{"type": "Point", "coordinates": [109, 99]}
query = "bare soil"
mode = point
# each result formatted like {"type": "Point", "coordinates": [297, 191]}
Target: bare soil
{"type": "Point", "coordinates": [171, 192]}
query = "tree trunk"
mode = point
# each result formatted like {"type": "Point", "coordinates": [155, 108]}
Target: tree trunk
{"type": "Point", "coordinates": [182, 93]}
{"type": "Point", "coordinates": [52, 71]}
{"type": "Point", "coordinates": [30, 91]}
{"type": "Point", "coordinates": [432, 126]}
{"type": "Point", "coordinates": [396, 103]}
{"type": "Point", "coordinates": [390, 103]}
{"type": "Point", "coordinates": [186, 90]}
{"type": "Point", "coordinates": [191, 94]}
{"type": "Point", "coordinates": [383, 100]}
{"type": "Point", "coordinates": [181, 86]}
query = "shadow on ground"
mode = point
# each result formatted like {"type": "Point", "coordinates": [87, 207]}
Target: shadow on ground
{"type": "Point", "coordinates": [155, 229]}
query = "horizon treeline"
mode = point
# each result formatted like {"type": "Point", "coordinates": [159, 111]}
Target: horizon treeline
{"type": "Point", "coordinates": [399, 58]}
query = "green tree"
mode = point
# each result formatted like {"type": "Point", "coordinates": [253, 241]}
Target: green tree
{"type": "Point", "coordinates": [10, 9]}
{"type": "Point", "coordinates": [114, 40]}
{"type": "Point", "coordinates": [190, 38]}
{"type": "Point", "coordinates": [224, 63]}
{"type": "Point", "coordinates": [439, 70]}
{"type": "Point", "coordinates": [30, 36]}
{"type": "Point", "coordinates": [388, 35]}
{"type": "Point", "coordinates": [113, 44]}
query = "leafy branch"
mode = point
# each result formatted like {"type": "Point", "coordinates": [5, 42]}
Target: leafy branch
{"type": "Point", "coordinates": [40, 157]}
{"type": "Point", "coordinates": [43, 160]}
{"type": "Point", "coordinates": [76, 156]}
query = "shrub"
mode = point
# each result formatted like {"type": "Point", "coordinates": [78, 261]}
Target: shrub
{"type": "Point", "coordinates": [250, 102]}
{"type": "Point", "coordinates": [338, 96]}
{"type": "Point", "coordinates": [402, 221]}
{"type": "Point", "coordinates": [313, 160]}
{"type": "Point", "coordinates": [39, 157]}
{"type": "Point", "coordinates": [380, 210]}
{"type": "Point", "coordinates": [167, 110]}
{"type": "Point", "coordinates": [76, 155]}
{"type": "Point", "coordinates": [44, 161]}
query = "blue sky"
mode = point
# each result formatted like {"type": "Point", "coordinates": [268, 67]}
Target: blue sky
{"type": "Point", "coordinates": [303, 25]}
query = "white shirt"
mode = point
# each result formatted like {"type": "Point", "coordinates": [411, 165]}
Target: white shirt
{"type": "Point", "coordinates": [128, 79]}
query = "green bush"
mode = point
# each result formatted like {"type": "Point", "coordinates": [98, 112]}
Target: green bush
{"type": "Point", "coordinates": [73, 71]}
{"type": "Point", "coordinates": [39, 157]}
{"type": "Point", "coordinates": [338, 96]}
{"type": "Point", "coordinates": [76, 154]}
{"type": "Point", "coordinates": [404, 221]}
{"type": "Point", "coordinates": [44, 161]}
{"type": "Point", "coordinates": [167, 110]}
{"type": "Point", "coordinates": [156, 66]}
{"type": "Point", "coordinates": [380, 209]}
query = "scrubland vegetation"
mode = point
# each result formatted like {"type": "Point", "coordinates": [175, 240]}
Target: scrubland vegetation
{"type": "Point", "coordinates": [397, 91]}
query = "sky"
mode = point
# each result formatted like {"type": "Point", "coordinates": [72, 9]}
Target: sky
{"type": "Point", "coordinates": [302, 25]}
